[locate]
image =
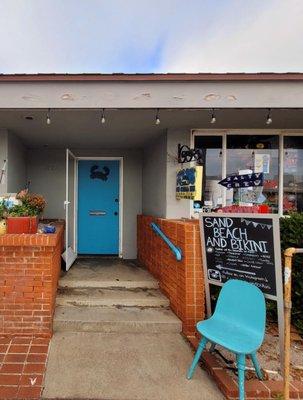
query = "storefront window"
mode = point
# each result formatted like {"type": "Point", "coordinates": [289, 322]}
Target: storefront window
{"type": "Point", "coordinates": [244, 154]}
{"type": "Point", "coordinates": [293, 174]}
{"type": "Point", "coordinates": [212, 192]}
{"type": "Point", "coordinates": [254, 153]}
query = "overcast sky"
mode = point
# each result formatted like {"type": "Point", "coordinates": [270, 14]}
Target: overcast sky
{"type": "Point", "coordinates": [151, 36]}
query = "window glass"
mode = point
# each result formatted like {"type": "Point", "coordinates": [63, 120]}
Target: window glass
{"type": "Point", "coordinates": [212, 174]}
{"type": "Point", "coordinates": [254, 153]}
{"type": "Point", "coordinates": [293, 174]}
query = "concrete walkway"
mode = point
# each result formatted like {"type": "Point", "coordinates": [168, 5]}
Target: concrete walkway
{"type": "Point", "coordinates": [124, 367]}
{"type": "Point", "coordinates": [116, 339]}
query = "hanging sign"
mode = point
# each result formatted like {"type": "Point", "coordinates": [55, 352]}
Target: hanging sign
{"type": "Point", "coordinates": [245, 247]}
{"type": "Point", "coordinates": [189, 183]}
{"type": "Point", "coordinates": [246, 180]}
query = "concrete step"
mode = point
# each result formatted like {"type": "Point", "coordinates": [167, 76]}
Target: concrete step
{"type": "Point", "coordinates": [107, 273]}
{"type": "Point", "coordinates": [115, 320]}
{"type": "Point", "coordinates": [111, 297]}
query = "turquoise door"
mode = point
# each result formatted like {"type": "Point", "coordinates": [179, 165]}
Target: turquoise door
{"type": "Point", "coordinates": [98, 207]}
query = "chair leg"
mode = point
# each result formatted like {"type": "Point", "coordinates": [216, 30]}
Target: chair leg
{"type": "Point", "coordinates": [241, 375]}
{"type": "Point", "coordinates": [254, 359]}
{"type": "Point", "coordinates": [197, 356]}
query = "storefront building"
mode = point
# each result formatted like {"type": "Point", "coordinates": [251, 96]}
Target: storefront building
{"type": "Point", "coordinates": [77, 139]}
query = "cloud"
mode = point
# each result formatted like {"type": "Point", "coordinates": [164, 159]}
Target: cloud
{"type": "Point", "coordinates": [266, 36]}
{"type": "Point", "coordinates": [150, 36]}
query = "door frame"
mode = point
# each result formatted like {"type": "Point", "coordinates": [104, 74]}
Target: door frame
{"type": "Point", "coordinates": [120, 159]}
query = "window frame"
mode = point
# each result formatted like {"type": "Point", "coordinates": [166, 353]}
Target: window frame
{"type": "Point", "coordinates": [225, 132]}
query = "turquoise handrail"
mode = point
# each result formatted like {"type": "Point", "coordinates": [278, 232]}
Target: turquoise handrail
{"type": "Point", "coordinates": [176, 250]}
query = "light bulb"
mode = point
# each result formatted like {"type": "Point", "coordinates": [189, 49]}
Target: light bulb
{"type": "Point", "coordinates": [157, 117]}
{"type": "Point", "coordinates": [48, 120]}
{"type": "Point", "coordinates": [103, 120]}
{"type": "Point", "coordinates": [213, 119]}
{"type": "Point", "coordinates": [269, 118]}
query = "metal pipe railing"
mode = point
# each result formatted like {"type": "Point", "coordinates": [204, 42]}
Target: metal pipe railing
{"type": "Point", "coordinates": [288, 254]}
{"type": "Point", "coordinates": [176, 250]}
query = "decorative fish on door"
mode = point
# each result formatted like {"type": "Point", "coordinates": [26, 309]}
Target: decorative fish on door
{"type": "Point", "coordinates": [97, 174]}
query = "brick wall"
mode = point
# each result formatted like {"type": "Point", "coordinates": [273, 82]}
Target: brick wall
{"type": "Point", "coordinates": [29, 271]}
{"type": "Point", "coordinates": [182, 281]}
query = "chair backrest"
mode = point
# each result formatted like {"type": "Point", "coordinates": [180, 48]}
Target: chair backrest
{"type": "Point", "coordinates": [242, 303]}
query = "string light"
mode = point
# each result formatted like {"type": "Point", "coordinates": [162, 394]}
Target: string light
{"type": "Point", "coordinates": [157, 117]}
{"type": "Point", "coordinates": [213, 119]}
{"type": "Point", "coordinates": [103, 120]}
{"type": "Point", "coordinates": [269, 118]}
{"type": "Point", "coordinates": [48, 119]}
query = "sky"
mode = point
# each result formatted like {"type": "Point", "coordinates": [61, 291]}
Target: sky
{"type": "Point", "coordinates": [112, 36]}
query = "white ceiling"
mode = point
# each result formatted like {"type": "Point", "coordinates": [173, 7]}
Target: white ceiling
{"type": "Point", "coordinates": [82, 128]}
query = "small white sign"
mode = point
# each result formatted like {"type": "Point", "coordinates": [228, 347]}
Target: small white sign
{"type": "Point", "coordinates": [262, 162]}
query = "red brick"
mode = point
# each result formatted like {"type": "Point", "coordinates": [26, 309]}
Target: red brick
{"type": "Point", "coordinates": [34, 368]}
{"type": "Point", "coordinates": [18, 348]}
{"type": "Point", "coordinates": [8, 392]}
{"type": "Point", "coordinates": [31, 380]}
{"type": "Point", "coordinates": [39, 349]}
{"type": "Point", "coordinates": [256, 389]}
{"type": "Point", "coordinates": [30, 267]}
{"type": "Point", "coordinates": [36, 358]}
{"type": "Point", "coordinates": [9, 379]}
{"type": "Point", "coordinates": [3, 348]}
{"type": "Point", "coordinates": [15, 358]}
{"type": "Point", "coordinates": [29, 392]}
{"type": "Point", "coordinates": [11, 368]}
{"type": "Point", "coordinates": [225, 383]}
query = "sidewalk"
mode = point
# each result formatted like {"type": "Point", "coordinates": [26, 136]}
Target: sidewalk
{"type": "Point", "coordinates": [123, 367]}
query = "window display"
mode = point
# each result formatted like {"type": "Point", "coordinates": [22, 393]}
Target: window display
{"type": "Point", "coordinates": [212, 192]}
{"type": "Point", "coordinates": [236, 155]}
{"type": "Point", "coordinates": [293, 174]}
{"type": "Point", "coordinates": [255, 154]}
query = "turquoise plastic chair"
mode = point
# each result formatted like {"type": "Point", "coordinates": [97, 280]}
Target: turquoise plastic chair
{"type": "Point", "coordinates": [238, 324]}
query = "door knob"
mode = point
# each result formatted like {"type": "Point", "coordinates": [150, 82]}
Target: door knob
{"type": "Point", "coordinates": [115, 213]}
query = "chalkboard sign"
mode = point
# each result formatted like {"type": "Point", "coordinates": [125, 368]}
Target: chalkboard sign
{"type": "Point", "coordinates": [240, 248]}
{"type": "Point", "coordinates": [245, 247]}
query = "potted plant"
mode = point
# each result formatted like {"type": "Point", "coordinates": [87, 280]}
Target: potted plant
{"type": "Point", "coordinates": [23, 217]}
{"type": "Point", "coordinates": [3, 212]}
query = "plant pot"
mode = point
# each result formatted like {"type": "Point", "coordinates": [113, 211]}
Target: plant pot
{"type": "Point", "coordinates": [22, 224]}
{"type": "Point", "coordinates": [2, 226]}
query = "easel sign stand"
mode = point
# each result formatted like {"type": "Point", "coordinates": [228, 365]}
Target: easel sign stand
{"type": "Point", "coordinates": [245, 247]}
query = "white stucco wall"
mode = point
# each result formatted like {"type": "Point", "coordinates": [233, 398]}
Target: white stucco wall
{"type": "Point", "coordinates": [16, 167]}
{"type": "Point", "coordinates": [154, 177]}
{"type": "Point", "coordinates": [46, 171]}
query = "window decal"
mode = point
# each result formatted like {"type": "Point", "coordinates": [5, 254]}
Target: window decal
{"type": "Point", "coordinates": [97, 174]}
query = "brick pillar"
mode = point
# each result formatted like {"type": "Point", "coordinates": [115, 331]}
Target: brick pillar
{"type": "Point", "coordinates": [29, 272]}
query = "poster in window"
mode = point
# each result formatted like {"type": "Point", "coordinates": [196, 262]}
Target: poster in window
{"type": "Point", "coordinates": [262, 162]}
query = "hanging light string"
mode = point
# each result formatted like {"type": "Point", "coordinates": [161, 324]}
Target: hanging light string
{"type": "Point", "coordinates": [269, 117]}
{"type": "Point", "coordinates": [157, 118]}
{"type": "Point", "coordinates": [103, 120]}
{"type": "Point", "coordinates": [48, 119]}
